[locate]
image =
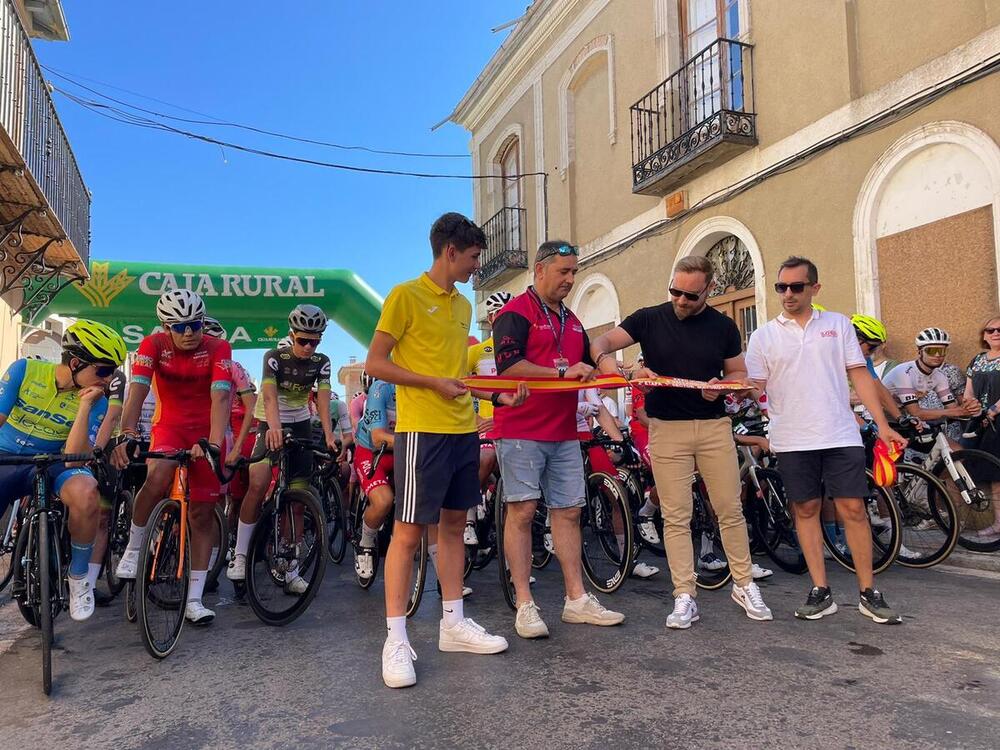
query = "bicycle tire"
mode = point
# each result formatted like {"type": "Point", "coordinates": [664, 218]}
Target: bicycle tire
{"type": "Point", "coordinates": [222, 545]}
{"type": "Point", "coordinates": [336, 527]}
{"type": "Point", "coordinates": [970, 517]}
{"type": "Point", "coordinates": [8, 543]}
{"type": "Point", "coordinates": [420, 576]}
{"type": "Point", "coordinates": [936, 541]}
{"type": "Point", "coordinates": [45, 599]}
{"type": "Point", "coordinates": [630, 480]}
{"type": "Point", "coordinates": [774, 525]}
{"type": "Point", "coordinates": [118, 531]}
{"type": "Point", "coordinates": [599, 532]}
{"type": "Point", "coordinates": [158, 588]}
{"type": "Point", "coordinates": [506, 583]}
{"type": "Point", "coordinates": [131, 608]}
{"type": "Point", "coordinates": [264, 558]}
{"type": "Point", "coordinates": [887, 546]}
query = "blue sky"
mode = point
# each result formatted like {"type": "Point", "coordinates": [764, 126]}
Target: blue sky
{"type": "Point", "coordinates": [378, 74]}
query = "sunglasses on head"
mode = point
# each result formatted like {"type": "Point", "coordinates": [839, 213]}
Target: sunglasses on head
{"type": "Point", "coordinates": [562, 250]}
{"type": "Point", "coordinates": [181, 328]}
{"type": "Point", "coordinates": [797, 287]}
{"type": "Point", "coordinates": [692, 296]}
{"type": "Point", "coordinates": [991, 330]}
{"type": "Point", "coordinates": [302, 341]}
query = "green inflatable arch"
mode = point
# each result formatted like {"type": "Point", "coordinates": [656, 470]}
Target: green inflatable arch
{"type": "Point", "coordinates": [252, 303]}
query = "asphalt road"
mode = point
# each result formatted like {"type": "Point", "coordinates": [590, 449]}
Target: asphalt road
{"type": "Point", "coordinates": [842, 682]}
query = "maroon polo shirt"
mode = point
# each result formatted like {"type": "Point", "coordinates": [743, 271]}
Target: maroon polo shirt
{"type": "Point", "coordinates": [527, 329]}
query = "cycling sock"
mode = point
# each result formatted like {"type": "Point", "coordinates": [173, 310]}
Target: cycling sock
{"type": "Point", "coordinates": [397, 629]}
{"type": "Point", "coordinates": [136, 538]}
{"type": "Point", "coordinates": [368, 535]}
{"type": "Point", "coordinates": [93, 573]}
{"type": "Point", "coordinates": [243, 533]}
{"type": "Point", "coordinates": [648, 508]}
{"type": "Point", "coordinates": [432, 553]}
{"type": "Point", "coordinates": [79, 559]}
{"type": "Point", "coordinates": [452, 612]}
{"type": "Point", "coordinates": [197, 586]}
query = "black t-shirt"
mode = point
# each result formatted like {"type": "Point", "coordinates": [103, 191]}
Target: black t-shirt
{"type": "Point", "coordinates": [695, 347]}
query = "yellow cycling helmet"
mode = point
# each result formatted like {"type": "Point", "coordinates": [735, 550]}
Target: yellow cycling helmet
{"type": "Point", "coordinates": [94, 343]}
{"type": "Point", "coordinates": [870, 328]}
{"type": "Point", "coordinates": [820, 308]}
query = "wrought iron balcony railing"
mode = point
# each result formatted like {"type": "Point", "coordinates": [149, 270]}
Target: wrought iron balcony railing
{"type": "Point", "coordinates": [702, 114]}
{"type": "Point", "coordinates": [505, 248]}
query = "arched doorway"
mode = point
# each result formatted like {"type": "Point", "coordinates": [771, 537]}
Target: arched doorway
{"type": "Point", "coordinates": [734, 293]}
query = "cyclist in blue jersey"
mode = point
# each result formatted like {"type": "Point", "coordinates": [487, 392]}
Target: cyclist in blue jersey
{"type": "Point", "coordinates": [48, 408]}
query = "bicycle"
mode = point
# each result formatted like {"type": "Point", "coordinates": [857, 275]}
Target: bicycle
{"type": "Point", "coordinates": [705, 527]}
{"type": "Point", "coordinates": [41, 555]}
{"type": "Point", "coordinates": [10, 523]}
{"type": "Point", "coordinates": [112, 485]}
{"type": "Point", "coordinates": [637, 480]}
{"type": "Point", "coordinates": [326, 483]}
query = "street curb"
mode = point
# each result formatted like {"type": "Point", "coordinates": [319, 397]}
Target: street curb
{"type": "Point", "coordinates": [961, 558]}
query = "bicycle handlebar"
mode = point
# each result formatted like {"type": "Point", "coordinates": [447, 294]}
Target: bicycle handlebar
{"type": "Point", "coordinates": [47, 459]}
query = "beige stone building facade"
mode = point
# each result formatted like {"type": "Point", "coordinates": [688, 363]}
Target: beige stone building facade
{"type": "Point", "coordinates": [861, 133]}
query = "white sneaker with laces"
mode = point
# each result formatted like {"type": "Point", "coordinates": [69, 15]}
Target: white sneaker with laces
{"type": "Point", "coordinates": [129, 564]}
{"type": "Point", "coordinates": [469, 637]}
{"type": "Point", "coordinates": [198, 614]}
{"type": "Point", "coordinates": [685, 612]}
{"type": "Point", "coordinates": [760, 573]}
{"type": "Point", "coordinates": [81, 598]}
{"type": "Point", "coordinates": [466, 590]}
{"type": "Point", "coordinates": [647, 530]}
{"type": "Point", "coordinates": [642, 570]}
{"type": "Point", "coordinates": [529, 622]}
{"type": "Point", "coordinates": [469, 537]}
{"type": "Point", "coordinates": [752, 602]}
{"type": "Point", "coordinates": [906, 553]}
{"type": "Point", "coordinates": [295, 585]}
{"type": "Point", "coordinates": [237, 570]}
{"type": "Point", "coordinates": [589, 611]}
{"type": "Point", "coordinates": [364, 563]}
{"type": "Point", "coordinates": [397, 664]}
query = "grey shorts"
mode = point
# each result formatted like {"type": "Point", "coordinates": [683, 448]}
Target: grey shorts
{"type": "Point", "coordinates": [434, 471]}
{"type": "Point", "coordinates": [833, 472]}
{"type": "Point", "coordinates": [535, 469]}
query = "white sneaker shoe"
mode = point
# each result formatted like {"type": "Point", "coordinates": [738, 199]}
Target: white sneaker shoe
{"type": "Point", "coordinates": [906, 553]}
{"type": "Point", "coordinates": [295, 585]}
{"type": "Point", "coordinates": [81, 598]}
{"type": "Point", "coordinates": [647, 530]}
{"type": "Point", "coordinates": [589, 611]}
{"type": "Point", "coordinates": [548, 543]}
{"type": "Point", "coordinates": [760, 573]}
{"type": "Point", "coordinates": [469, 537]}
{"type": "Point", "coordinates": [128, 565]}
{"type": "Point", "coordinates": [685, 612]}
{"type": "Point", "coordinates": [397, 664]}
{"type": "Point", "coordinates": [752, 602]}
{"type": "Point", "coordinates": [529, 623]}
{"type": "Point", "coordinates": [198, 614]}
{"type": "Point", "coordinates": [711, 561]}
{"type": "Point", "coordinates": [469, 637]}
{"type": "Point", "coordinates": [237, 570]}
{"type": "Point", "coordinates": [642, 570]}
{"type": "Point", "coordinates": [364, 564]}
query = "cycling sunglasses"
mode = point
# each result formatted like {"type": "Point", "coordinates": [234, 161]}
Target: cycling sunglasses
{"type": "Point", "coordinates": [871, 342]}
{"type": "Point", "coordinates": [104, 371]}
{"type": "Point", "coordinates": [692, 296]}
{"type": "Point", "coordinates": [935, 351]}
{"type": "Point", "coordinates": [302, 341]}
{"type": "Point", "coordinates": [181, 328]}
{"type": "Point", "coordinates": [797, 287]}
{"type": "Point", "coordinates": [562, 250]}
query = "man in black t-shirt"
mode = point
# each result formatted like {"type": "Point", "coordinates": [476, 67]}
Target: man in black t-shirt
{"type": "Point", "coordinates": [689, 430]}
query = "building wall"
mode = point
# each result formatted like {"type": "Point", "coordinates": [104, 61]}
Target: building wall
{"type": "Point", "coordinates": [10, 336]}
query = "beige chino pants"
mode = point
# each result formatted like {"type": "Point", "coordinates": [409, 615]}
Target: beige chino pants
{"type": "Point", "coordinates": [675, 448]}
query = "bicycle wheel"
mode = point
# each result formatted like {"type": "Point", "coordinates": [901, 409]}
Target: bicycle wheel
{"type": "Point", "coordinates": [45, 598]}
{"type": "Point", "coordinates": [773, 524]}
{"type": "Point", "coordinates": [336, 527]}
{"type": "Point", "coordinates": [10, 522]}
{"type": "Point", "coordinates": [162, 580]}
{"type": "Point", "coordinates": [131, 608]}
{"type": "Point", "coordinates": [289, 542]}
{"type": "Point", "coordinates": [118, 530]}
{"type": "Point", "coordinates": [883, 515]}
{"type": "Point", "coordinates": [978, 522]}
{"type": "Point", "coordinates": [606, 533]}
{"type": "Point", "coordinates": [928, 518]}
{"type": "Point", "coordinates": [486, 532]}
{"type": "Point", "coordinates": [220, 546]}
{"type": "Point", "coordinates": [649, 537]}
{"type": "Point", "coordinates": [506, 584]}
{"type": "Point", "coordinates": [419, 576]}
{"type": "Point", "coordinates": [541, 537]}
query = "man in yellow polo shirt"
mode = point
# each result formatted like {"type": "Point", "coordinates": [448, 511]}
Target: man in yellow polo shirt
{"type": "Point", "coordinates": [425, 327]}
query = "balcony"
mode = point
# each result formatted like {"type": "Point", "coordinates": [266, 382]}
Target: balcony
{"type": "Point", "coordinates": [505, 253]}
{"type": "Point", "coordinates": [44, 204]}
{"type": "Point", "coordinates": [699, 117]}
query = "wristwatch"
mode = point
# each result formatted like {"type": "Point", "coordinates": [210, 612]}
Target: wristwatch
{"type": "Point", "coordinates": [495, 399]}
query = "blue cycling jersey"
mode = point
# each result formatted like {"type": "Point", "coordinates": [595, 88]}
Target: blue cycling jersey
{"type": "Point", "coordinates": [380, 413]}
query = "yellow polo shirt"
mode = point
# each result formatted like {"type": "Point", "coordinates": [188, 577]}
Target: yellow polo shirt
{"type": "Point", "coordinates": [431, 329]}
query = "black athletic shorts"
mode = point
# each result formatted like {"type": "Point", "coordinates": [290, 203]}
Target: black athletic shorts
{"type": "Point", "coordinates": [833, 472]}
{"type": "Point", "coordinates": [434, 471]}
{"type": "Point", "coordinates": [300, 459]}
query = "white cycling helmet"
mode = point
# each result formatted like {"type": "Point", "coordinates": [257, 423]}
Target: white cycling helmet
{"type": "Point", "coordinates": [366, 381]}
{"type": "Point", "coordinates": [179, 306]}
{"type": "Point", "coordinates": [933, 337]}
{"type": "Point", "coordinates": [285, 343]}
{"type": "Point", "coordinates": [497, 300]}
{"type": "Point", "coordinates": [308, 319]}
{"type": "Point", "coordinates": [214, 328]}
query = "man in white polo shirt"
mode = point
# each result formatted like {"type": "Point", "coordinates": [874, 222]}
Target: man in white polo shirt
{"type": "Point", "coordinates": [804, 358]}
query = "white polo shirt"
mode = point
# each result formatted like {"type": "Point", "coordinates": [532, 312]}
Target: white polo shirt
{"type": "Point", "coordinates": [806, 373]}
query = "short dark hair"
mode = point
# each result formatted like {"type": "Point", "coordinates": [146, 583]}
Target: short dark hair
{"type": "Point", "coordinates": [455, 229]}
{"type": "Point", "coordinates": [797, 261]}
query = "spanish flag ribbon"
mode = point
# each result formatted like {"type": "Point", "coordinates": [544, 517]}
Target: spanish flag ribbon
{"type": "Point", "coordinates": [501, 384]}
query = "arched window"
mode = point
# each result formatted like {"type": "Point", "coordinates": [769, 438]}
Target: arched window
{"type": "Point", "coordinates": [734, 292]}
{"type": "Point", "coordinates": [510, 168]}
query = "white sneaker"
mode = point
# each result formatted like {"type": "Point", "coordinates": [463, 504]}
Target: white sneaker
{"type": "Point", "coordinates": [295, 585]}
{"type": "Point", "coordinates": [469, 537]}
{"type": "Point", "coordinates": [466, 590]}
{"type": "Point", "coordinates": [711, 561]}
{"type": "Point", "coordinates": [364, 564]}
{"type": "Point", "coordinates": [198, 614]}
{"type": "Point", "coordinates": [470, 637]}
{"type": "Point", "coordinates": [752, 602]}
{"type": "Point", "coordinates": [589, 611]}
{"type": "Point", "coordinates": [548, 543]}
{"type": "Point", "coordinates": [685, 612]}
{"type": "Point", "coordinates": [237, 570]}
{"type": "Point", "coordinates": [647, 530]}
{"type": "Point", "coordinates": [760, 573]}
{"type": "Point", "coordinates": [529, 623]}
{"type": "Point", "coordinates": [906, 553]}
{"type": "Point", "coordinates": [397, 664]}
{"type": "Point", "coordinates": [128, 565]}
{"type": "Point", "coordinates": [81, 598]}
{"type": "Point", "coordinates": [642, 570]}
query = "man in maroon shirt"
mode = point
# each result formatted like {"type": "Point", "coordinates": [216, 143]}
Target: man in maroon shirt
{"type": "Point", "coordinates": [537, 445]}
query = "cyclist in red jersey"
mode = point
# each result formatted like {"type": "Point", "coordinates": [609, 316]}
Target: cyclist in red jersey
{"type": "Point", "coordinates": [192, 376]}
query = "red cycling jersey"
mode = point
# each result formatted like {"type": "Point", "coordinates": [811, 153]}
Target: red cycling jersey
{"type": "Point", "coordinates": [183, 381]}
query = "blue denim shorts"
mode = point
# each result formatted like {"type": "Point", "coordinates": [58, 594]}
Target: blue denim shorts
{"type": "Point", "coordinates": [537, 469]}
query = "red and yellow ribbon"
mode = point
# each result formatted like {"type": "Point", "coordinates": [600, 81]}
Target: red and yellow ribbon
{"type": "Point", "coordinates": [501, 384]}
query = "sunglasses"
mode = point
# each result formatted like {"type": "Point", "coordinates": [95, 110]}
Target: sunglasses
{"type": "Point", "coordinates": [181, 328]}
{"type": "Point", "coordinates": [871, 342]}
{"type": "Point", "coordinates": [301, 341]}
{"type": "Point", "coordinates": [935, 351]}
{"type": "Point", "coordinates": [797, 287]}
{"type": "Point", "coordinates": [104, 371]}
{"type": "Point", "coordinates": [562, 250]}
{"type": "Point", "coordinates": [692, 296]}
{"type": "Point", "coordinates": [991, 330]}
